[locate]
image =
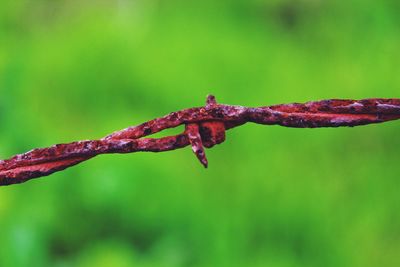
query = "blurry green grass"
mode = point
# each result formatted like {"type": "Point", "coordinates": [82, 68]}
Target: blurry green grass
{"type": "Point", "coordinates": [272, 196]}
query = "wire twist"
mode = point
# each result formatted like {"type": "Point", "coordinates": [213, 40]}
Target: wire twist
{"type": "Point", "coordinates": [204, 127]}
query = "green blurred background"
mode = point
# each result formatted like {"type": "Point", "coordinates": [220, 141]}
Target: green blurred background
{"type": "Point", "coordinates": [272, 196]}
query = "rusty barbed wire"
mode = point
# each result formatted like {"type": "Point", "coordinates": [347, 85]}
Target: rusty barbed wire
{"type": "Point", "coordinates": [204, 127]}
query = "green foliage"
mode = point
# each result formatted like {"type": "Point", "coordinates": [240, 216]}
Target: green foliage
{"type": "Point", "coordinates": [272, 196]}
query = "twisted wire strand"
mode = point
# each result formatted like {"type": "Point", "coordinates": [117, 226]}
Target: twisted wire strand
{"type": "Point", "coordinates": [205, 127]}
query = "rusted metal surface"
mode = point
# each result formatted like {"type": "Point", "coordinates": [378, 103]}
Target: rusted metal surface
{"type": "Point", "coordinates": [193, 133]}
{"type": "Point", "coordinates": [205, 127]}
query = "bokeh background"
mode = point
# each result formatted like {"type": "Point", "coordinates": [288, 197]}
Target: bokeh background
{"type": "Point", "coordinates": [272, 196]}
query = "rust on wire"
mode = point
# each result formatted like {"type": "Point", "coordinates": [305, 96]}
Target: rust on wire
{"type": "Point", "coordinates": [205, 127]}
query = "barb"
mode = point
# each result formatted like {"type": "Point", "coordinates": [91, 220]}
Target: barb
{"type": "Point", "coordinates": [205, 127]}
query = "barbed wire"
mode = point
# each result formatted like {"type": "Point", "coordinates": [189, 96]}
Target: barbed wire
{"type": "Point", "coordinates": [204, 127]}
